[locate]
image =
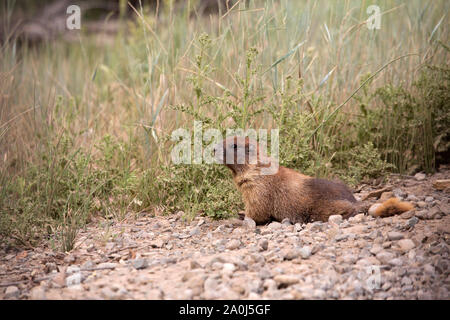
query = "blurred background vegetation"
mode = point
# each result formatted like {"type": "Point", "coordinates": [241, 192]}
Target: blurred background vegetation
{"type": "Point", "coordinates": [86, 116]}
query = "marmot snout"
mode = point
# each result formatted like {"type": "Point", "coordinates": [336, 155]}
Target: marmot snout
{"type": "Point", "coordinates": [286, 193]}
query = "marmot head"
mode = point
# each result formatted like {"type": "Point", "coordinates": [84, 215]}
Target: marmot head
{"type": "Point", "coordinates": [241, 154]}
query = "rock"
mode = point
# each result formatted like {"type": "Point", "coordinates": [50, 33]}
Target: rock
{"type": "Point", "coordinates": [74, 279]}
{"type": "Point", "coordinates": [159, 243]}
{"type": "Point", "coordinates": [423, 215]}
{"type": "Point", "coordinates": [305, 252]}
{"type": "Point", "coordinates": [12, 292]}
{"type": "Point", "coordinates": [233, 244]}
{"type": "Point", "coordinates": [249, 223]}
{"type": "Point", "coordinates": [298, 227]}
{"type": "Point", "coordinates": [405, 245]}
{"type": "Point", "coordinates": [385, 256]}
{"type": "Point", "coordinates": [274, 225]}
{"type": "Point", "coordinates": [139, 264]}
{"type": "Point", "coordinates": [341, 237]}
{"type": "Point", "coordinates": [72, 269]}
{"type": "Point", "coordinates": [441, 184]}
{"type": "Point", "coordinates": [228, 268]}
{"type": "Point", "coordinates": [349, 258]}
{"type": "Point", "coordinates": [291, 254]}
{"type": "Point", "coordinates": [211, 286]}
{"type": "Point", "coordinates": [406, 281]}
{"type": "Point", "coordinates": [385, 196]}
{"type": "Point", "coordinates": [264, 273]}
{"type": "Point", "coordinates": [393, 236]}
{"type": "Point", "coordinates": [412, 222]}
{"type": "Point", "coordinates": [194, 265]}
{"type": "Point", "coordinates": [428, 268]}
{"type": "Point", "coordinates": [445, 208]}
{"type": "Point", "coordinates": [375, 249]}
{"type": "Point", "coordinates": [50, 267]}
{"type": "Point", "coordinates": [386, 244]}
{"type": "Point", "coordinates": [69, 259]}
{"type": "Point", "coordinates": [396, 262]}
{"type": "Point", "coordinates": [285, 280]}
{"type": "Point", "coordinates": [408, 214]}
{"type": "Point", "coordinates": [263, 244]}
{"type": "Point", "coordinates": [433, 212]}
{"type": "Point", "coordinates": [358, 218]}
{"type": "Point", "coordinates": [335, 219]}
{"type": "Point", "coordinates": [376, 193]}
{"type": "Point", "coordinates": [107, 265]}
{"type": "Point", "coordinates": [422, 204]}
{"type": "Point", "coordinates": [399, 193]}
{"type": "Point", "coordinates": [420, 176]}
{"type": "Point", "coordinates": [286, 222]}
{"type": "Point", "coordinates": [87, 265]}
{"type": "Point", "coordinates": [194, 231]}
{"type": "Point", "coordinates": [412, 198]}
{"type": "Point", "coordinates": [429, 199]}
{"type": "Point", "coordinates": [38, 293]}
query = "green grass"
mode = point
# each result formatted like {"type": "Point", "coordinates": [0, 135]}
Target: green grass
{"type": "Point", "coordinates": [85, 127]}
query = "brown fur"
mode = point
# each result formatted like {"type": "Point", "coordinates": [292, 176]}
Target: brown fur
{"type": "Point", "coordinates": [287, 193]}
{"type": "Point", "coordinates": [392, 207]}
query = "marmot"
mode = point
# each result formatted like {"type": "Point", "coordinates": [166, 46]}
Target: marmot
{"type": "Point", "coordinates": [287, 193]}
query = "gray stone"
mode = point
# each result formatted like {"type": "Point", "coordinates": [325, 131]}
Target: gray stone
{"type": "Point", "coordinates": [249, 223]}
{"type": "Point", "coordinates": [405, 245]}
{"type": "Point", "coordinates": [74, 279]}
{"type": "Point", "coordinates": [305, 252]}
{"type": "Point", "coordinates": [139, 263]}
{"type": "Point", "coordinates": [420, 176]}
{"type": "Point", "coordinates": [349, 258]}
{"type": "Point", "coordinates": [423, 214]}
{"type": "Point", "coordinates": [274, 226]}
{"type": "Point", "coordinates": [359, 218]}
{"type": "Point", "coordinates": [412, 198]}
{"type": "Point", "coordinates": [396, 262]}
{"type": "Point", "coordinates": [298, 227]}
{"type": "Point", "coordinates": [286, 222]}
{"type": "Point", "coordinates": [335, 219]}
{"type": "Point", "coordinates": [285, 280]}
{"type": "Point", "coordinates": [50, 267]}
{"type": "Point", "coordinates": [263, 244]}
{"type": "Point", "coordinates": [428, 268]}
{"type": "Point", "coordinates": [194, 231]}
{"type": "Point", "coordinates": [233, 244]}
{"type": "Point", "coordinates": [341, 237]}
{"type": "Point", "coordinates": [433, 212]}
{"type": "Point", "coordinates": [228, 268]}
{"type": "Point", "coordinates": [72, 269]}
{"type": "Point", "coordinates": [194, 265]}
{"type": "Point", "coordinates": [385, 256]}
{"type": "Point", "coordinates": [87, 265]}
{"type": "Point", "coordinates": [107, 265]}
{"type": "Point", "coordinates": [399, 193]}
{"type": "Point", "coordinates": [291, 254]}
{"type": "Point", "coordinates": [12, 292]}
{"type": "Point", "coordinates": [264, 273]}
{"type": "Point", "coordinates": [412, 222]}
{"type": "Point", "coordinates": [38, 293]}
{"type": "Point", "coordinates": [393, 236]}
{"type": "Point", "coordinates": [422, 204]}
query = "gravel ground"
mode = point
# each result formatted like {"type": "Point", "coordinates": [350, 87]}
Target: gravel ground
{"type": "Point", "coordinates": [167, 257]}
